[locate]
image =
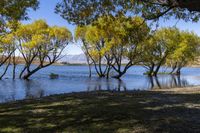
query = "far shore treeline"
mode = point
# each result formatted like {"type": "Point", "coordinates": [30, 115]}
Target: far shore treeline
{"type": "Point", "coordinates": [106, 39]}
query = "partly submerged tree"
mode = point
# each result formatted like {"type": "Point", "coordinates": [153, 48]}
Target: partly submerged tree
{"type": "Point", "coordinates": [110, 40]}
{"type": "Point", "coordinates": [11, 11]}
{"type": "Point", "coordinates": [80, 37]}
{"type": "Point", "coordinates": [170, 47]}
{"type": "Point", "coordinates": [98, 50]}
{"type": "Point", "coordinates": [42, 43]}
{"type": "Point", "coordinates": [158, 48]}
{"type": "Point", "coordinates": [187, 52]}
{"type": "Point", "coordinates": [126, 43]}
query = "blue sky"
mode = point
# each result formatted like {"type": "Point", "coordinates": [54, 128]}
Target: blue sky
{"type": "Point", "coordinates": [46, 12]}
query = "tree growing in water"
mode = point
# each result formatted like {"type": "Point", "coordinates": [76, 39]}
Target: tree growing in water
{"type": "Point", "coordinates": [110, 40]}
{"type": "Point", "coordinates": [158, 48]}
{"type": "Point", "coordinates": [187, 52]}
{"type": "Point", "coordinates": [42, 43]}
{"type": "Point", "coordinates": [11, 11]}
{"type": "Point", "coordinates": [80, 35]}
{"type": "Point", "coordinates": [170, 47]}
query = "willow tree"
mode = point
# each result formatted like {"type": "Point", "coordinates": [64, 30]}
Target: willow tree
{"type": "Point", "coordinates": [128, 33]}
{"type": "Point", "coordinates": [80, 37]}
{"type": "Point", "coordinates": [41, 43]}
{"type": "Point", "coordinates": [158, 48]}
{"type": "Point", "coordinates": [187, 52]}
{"type": "Point", "coordinates": [110, 40]}
{"type": "Point", "coordinates": [99, 50]}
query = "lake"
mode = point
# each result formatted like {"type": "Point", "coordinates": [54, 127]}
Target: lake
{"type": "Point", "coordinates": [75, 79]}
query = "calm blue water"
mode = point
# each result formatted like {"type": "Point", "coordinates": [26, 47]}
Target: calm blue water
{"type": "Point", "coordinates": [75, 79]}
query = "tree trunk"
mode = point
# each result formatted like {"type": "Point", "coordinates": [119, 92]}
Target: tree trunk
{"type": "Point", "coordinates": [14, 66]}
{"type": "Point", "coordinates": [178, 71]}
{"type": "Point", "coordinates": [173, 68]}
{"type": "Point", "coordinates": [151, 70]}
{"type": "Point", "coordinates": [26, 76]}
{"type": "Point", "coordinates": [108, 72]}
{"type": "Point", "coordinates": [5, 70]}
{"type": "Point", "coordinates": [89, 66]}
{"type": "Point", "coordinates": [157, 70]}
{"type": "Point", "coordinates": [120, 74]}
{"type": "Point", "coordinates": [21, 73]}
{"type": "Point", "coordinates": [90, 70]}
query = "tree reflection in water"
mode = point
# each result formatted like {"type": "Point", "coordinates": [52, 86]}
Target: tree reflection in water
{"type": "Point", "coordinates": [171, 81]}
{"type": "Point", "coordinates": [33, 89]}
{"type": "Point", "coordinates": [106, 84]}
{"type": "Point", "coordinates": [11, 90]}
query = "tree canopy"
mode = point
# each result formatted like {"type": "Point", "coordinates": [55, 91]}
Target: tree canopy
{"type": "Point", "coordinates": [11, 11]}
{"type": "Point", "coordinates": [84, 12]}
{"type": "Point", "coordinates": [171, 47]}
{"type": "Point", "coordinates": [16, 9]}
{"type": "Point", "coordinates": [36, 42]}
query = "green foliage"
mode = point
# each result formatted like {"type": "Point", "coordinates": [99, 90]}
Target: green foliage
{"type": "Point", "coordinates": [85, 12]}
{"type": "Point", "coordinates": [160, 45]}
{"type": "Point", "coordinates": [16, 9]}
{"type": "Point", "coordinates": [7, 43]}
{"type": "Point", "coordinates": [187, 49]}
{"type": "Point", "coordinates": [171, 47]}
{"type": "Point", "coordinates": [40, 34]}
{"type": "Point", "coordinates": [11, 11]}
{"type": "Point", "coordinates": [110, 39]}
{"type": "Point", "coordinates": [39, 41]}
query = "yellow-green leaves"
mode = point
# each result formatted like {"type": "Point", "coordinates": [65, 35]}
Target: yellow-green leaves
{"type": "Point", "coordinates": [41, 42]}
{"type": "Point", "coordinates": [172, 47]}
{"type": "Point", "coordinates": [7, 39]}
{"type": "Point", "coordinates": [60, 33]}
{"type": "Point", "coordinates": [40, 33]}
{"type": "Point", "coordinates": [187, 47]}
{"type": "Point", "coordinates": [108, 33]}
{"type": "Point", "coordinates": [80, 32]}
{"type": "Point", "coordinates": [93, 35]}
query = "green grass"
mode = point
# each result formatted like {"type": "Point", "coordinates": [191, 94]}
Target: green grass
{"type": "Point", "coordinates": [103, 112]}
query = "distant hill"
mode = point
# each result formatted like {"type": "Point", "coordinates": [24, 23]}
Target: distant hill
{"type": "Point", "coordinates": [74, 59]}
{"type": "Point", "coordinates": [78, 59]}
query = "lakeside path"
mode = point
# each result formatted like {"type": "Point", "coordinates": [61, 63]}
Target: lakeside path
{"type": "Point", "coordinates": [171, 110]}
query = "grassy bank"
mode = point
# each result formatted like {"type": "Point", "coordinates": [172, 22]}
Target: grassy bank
{"type": "Point", "coordinates": [104, 112]}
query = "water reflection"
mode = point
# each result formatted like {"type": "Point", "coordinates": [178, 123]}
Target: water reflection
{"type": "Point", "coordinates": [170, 81]}
{"type": "Point", "coordinates": [162, 82]}
{"type": "Point", "coordinates": [106, 84]}
{"type": "Point", "coordinates": [11, 90]}
{"type": "Point", "coordinates": [33, 92]}
{"type": "Point", "coordinates": [74, 79]}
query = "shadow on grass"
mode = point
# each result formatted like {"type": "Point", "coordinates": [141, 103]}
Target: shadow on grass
{"type": "Point", "coordinates": [104, 112]}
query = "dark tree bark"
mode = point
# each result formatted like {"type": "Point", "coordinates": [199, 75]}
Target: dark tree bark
{"type": "Point", "coordinates": [7, 66]}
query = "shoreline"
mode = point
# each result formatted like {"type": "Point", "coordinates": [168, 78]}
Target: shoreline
{"type": "Point", "coordinates": [178, 90]}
